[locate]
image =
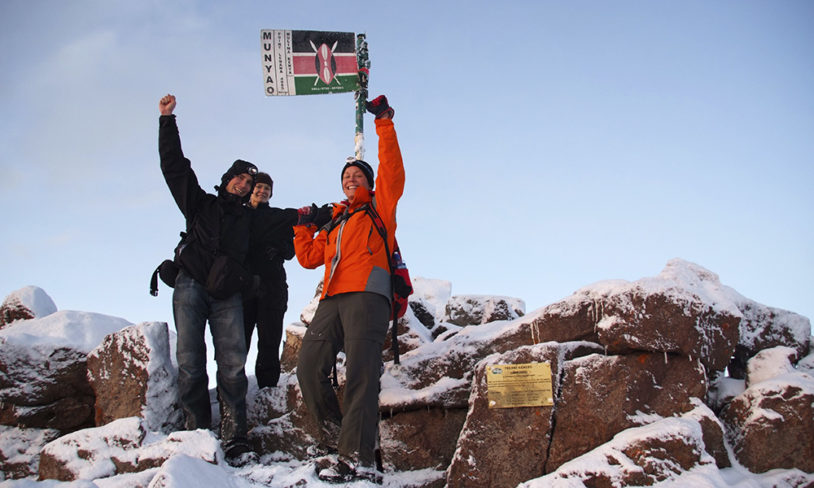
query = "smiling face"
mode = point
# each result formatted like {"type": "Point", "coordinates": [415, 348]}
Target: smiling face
{"type": "Point", "coordinates": [240, 185]}
{"type": "Point", "coordinates": [261, 194]}
{"type": "Point", "coordinates": [352, 179]}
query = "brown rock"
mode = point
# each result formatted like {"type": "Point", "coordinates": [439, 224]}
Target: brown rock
{"type": "Point", "coordinates": [466, 310]}
{"type": "Point", "coordinates": [20, 448]}
{"type": "Point", "coordinates": [408, 339]}
{"type": "Point", "coordinates": [661, 450]}
{"type": "Point", "coordinates": [765, 327]}
{"type": "Point", "coordinates": [572, 319]}
{"type": "Point", "coordinates": [601, 396]}
{"type": "Point", "coordinates": [46, 389]}
{"type": "Point", "coordinates": [504, 446]}
{"type": "Point", "coordinates": [291, 347]}
{"type": "Point", "coordinates": [131, 374]}
{"type": "Point", "coordinates": [25, 303]}
{"type": "Point", "coordinates": [771, 424]}
{"type": "Point", "coordinates": [663, 323]}
{"type": "Point", "coordinates": [422, 311]}
{"type": "Point", "coordinates": [10, 312]}
{"type": "Point", "coordinates": [421, 439]}
{"type": "Point", "coordinates": [85, 454]}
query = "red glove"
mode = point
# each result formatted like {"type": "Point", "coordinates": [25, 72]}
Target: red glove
{"type": "Point", "coordinates": [380, 108]}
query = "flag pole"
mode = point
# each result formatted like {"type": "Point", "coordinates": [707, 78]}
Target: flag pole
{"type": "Point", "coordinates": [363, 63]}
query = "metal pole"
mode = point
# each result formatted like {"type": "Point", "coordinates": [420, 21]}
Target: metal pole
{"type": "Point", "coordinates": [363, 62]}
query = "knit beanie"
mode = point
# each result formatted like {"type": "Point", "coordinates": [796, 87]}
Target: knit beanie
{"type": "Point", "coordinates": [366, 169]}
{"type": "Point", "coordinates": [238, 168]}
{"type": "Point", "coordinates": [264, 178]}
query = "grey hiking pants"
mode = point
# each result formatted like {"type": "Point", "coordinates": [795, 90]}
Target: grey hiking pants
{"type": "Point", "coordinates": [358, 322]}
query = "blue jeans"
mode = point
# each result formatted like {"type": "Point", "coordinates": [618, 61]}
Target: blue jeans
{"type": "Point", "coordinates": [192, 307]}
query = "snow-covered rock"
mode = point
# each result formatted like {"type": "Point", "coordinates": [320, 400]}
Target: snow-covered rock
{"type": "Point", "coordinates": [19, 450]}
{"type": "Point", "coordinates": [771, 424]}
{"type": "Point", "coordinates": [661, 450]}
{"type": "Point", "coordinates": [132, 374]}
{"type": "Point", "coordinates": [628, 393]}
{"type": "Point", "coordinates": [466, 310]}
{"type": "Point", "coordinates": [684, 310]}
{"type": "Point", "coordinates": [122, 446]}
{"type": "Point", "coordinates": [43, 375]}
{"type": "Point", "coordinates": [29, 302]}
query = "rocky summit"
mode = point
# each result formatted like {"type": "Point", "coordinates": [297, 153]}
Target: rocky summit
{"type": "Point", "coordinates": [650, 381]}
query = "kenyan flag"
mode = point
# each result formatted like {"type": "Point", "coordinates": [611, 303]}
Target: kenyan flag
{"type": "Point", "coordinates": [309, 62]}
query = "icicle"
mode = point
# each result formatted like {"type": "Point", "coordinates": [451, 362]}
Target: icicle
{"type": "Point", "coordinates": [665, 357]}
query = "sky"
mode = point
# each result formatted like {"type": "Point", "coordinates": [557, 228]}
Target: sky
{"type": "Point", "coordinates": [547, 145]}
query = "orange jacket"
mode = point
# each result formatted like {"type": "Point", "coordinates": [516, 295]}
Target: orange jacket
{"type": "Point", "coordinates": [353, 252]}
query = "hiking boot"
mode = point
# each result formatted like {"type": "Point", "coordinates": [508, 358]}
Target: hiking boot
{"type": "Point", "coordinates": [368, 473]}
{"type": "Point", "coordinates": [238, 453]}
{"type": "Point", "coordinates": [334, 471]}
{"type": "Point", "coordinates": [343, 470]}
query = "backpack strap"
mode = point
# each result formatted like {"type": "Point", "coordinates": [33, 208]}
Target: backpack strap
{"type": "Point", "coordinates": [379, 224]}
{"type": "Point", "coordinates": [370, 210]}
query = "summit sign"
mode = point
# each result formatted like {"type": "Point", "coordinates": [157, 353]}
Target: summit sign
{"type": "Point", "coordinates": [308, 62]}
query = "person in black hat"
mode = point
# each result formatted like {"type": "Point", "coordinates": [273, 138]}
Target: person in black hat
{"type": "Point", "coordinates": [354, 308]}
{"type": "Point", "coordinates": [270, 245]}
{"type": "Point", "coordinates": [208, 289]}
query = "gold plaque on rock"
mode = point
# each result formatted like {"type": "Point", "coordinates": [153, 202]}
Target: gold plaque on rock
{"type": "Point", "coordinates": [519, 385]}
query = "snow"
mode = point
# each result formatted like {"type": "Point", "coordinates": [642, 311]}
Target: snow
{"type": "Point", "coordinates": [187, 451]}
{"type": "Point", "coordinates": [82, 331]}
{"type": "Point", "coordinates": [770, 363]}
{"type": "Point", "coordinates": [33, 298]}
{"type": "Point", "coordinates": [682, 280]}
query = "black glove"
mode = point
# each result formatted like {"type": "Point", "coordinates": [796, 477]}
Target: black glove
{"type": "Point", "coordinates": [324, 215]}
{"type": "Point", "coordinates": [380, 108]}
{"type": "Point", "coordinates": [306, 215]}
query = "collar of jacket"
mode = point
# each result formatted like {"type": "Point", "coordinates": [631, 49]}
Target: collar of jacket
{"type": "Point", "coordinates": [357, 202]}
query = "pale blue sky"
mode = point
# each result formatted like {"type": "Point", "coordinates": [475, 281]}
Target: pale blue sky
{"type": "Point", "coordinates": [548, 145]}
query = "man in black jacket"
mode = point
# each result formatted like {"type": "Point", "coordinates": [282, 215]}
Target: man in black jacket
{"type": "Point", "coordinates": [217, 231]}
{"type": "Point", "coordinates": [271, 243]}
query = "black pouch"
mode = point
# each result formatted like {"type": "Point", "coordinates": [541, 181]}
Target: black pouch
{"type": "Point", "coordinates": [167, 271]}
{"type": "Point", "coordinates": [227, 277]}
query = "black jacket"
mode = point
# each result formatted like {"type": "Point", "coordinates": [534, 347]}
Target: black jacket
{"type": "Point", "coordinates": [271, 241]}
{"type": "Point", "coordinates": [215, 223]}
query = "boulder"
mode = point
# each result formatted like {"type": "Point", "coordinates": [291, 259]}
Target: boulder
{"type": "Point", "coordinates": [89, 453]}
{"type": "Point", "coordinates": [504, 446]}
{"type": "Point", "coordinates": [132, 374]}
{"type": "Point", "coordinates": [600, 396]}
{"type": "Point", "coordinates": [20, 449]}
{"type": "Point", "coordinates": [684, 310]}
{"type": "Point", "coordinates": [44, 388]}
{"type": "Point", "coordinates": [662, 450]}
{"type": "Point", "coordinates": [291, 347]}
{"type": "Point", "coordinates": [122, 446]}
{"type": "Point", "coordinates": [764, 327]}
{"type": "Point", "coordinates": [26, 303]}
{"type": "Point", "coordinates": [279, 420]}
{"type": "Point", "coordinates": [771, 424]}
{"type": "Point", "coordinates": [420, 439]}
{"type": "Point", "coordinates": [43, 373]}
{"type": "Point", "coordinates": [411, 335]}
{"type": "Point", "coordinates": [466, 310]}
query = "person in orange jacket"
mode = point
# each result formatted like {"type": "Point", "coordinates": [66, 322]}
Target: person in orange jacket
{"type": "Point", "coordinates": [355, 305]}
